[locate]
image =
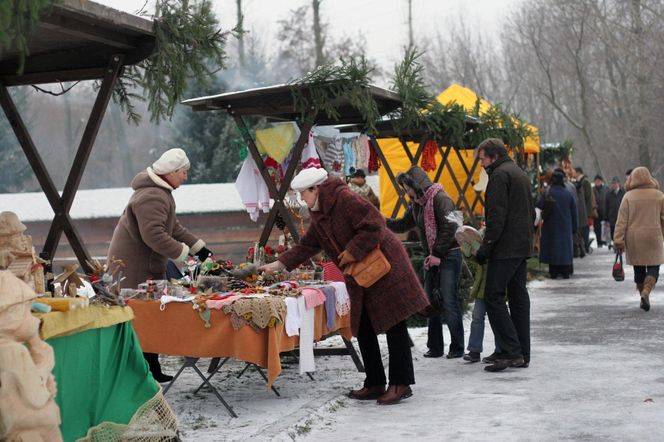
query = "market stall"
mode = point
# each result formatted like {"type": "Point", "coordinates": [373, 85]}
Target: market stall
{"type": "Point", "coordinates": [177, 329]}
{"type": "Point", "coordinates": [74, 41]}
{"type": "Point", "coordinates": [103, 382]}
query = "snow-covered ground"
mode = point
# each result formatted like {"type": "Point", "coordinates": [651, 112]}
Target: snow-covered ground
{"type": "Point", "coordinates": [596, 374]}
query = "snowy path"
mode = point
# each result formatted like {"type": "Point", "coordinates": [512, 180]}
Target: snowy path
{"type": "Point", "coordinates": [596, 374]}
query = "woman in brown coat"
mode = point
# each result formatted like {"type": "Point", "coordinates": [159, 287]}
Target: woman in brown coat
{"type": "Point", "coordinates": [640, 230]}
{"type": "Point", "coordinates": [347, 227]}
{"type": "Point", "coordinates": [148, 232]}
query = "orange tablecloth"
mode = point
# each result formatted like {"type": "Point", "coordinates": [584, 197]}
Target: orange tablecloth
{"type": "Point", "coordinates": [178, 330]}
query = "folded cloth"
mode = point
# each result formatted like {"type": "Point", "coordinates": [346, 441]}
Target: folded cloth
{"type": "Point", "coordinates": [313, 297]}
{"type": "Point", "coordinates": [330, 305]}
{"type": "Point", "coordinates": [165, 299]}
{"type": "Point", "coordinates": [343, 300]}
{"type": "Point", "coordinates": [293, 321]}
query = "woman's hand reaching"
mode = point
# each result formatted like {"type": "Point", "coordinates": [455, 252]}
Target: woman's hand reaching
{"type": "Point", "coordinates": [272, 267]}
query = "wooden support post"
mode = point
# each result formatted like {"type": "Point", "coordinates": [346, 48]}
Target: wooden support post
{"type": "Point", "coordinates": [62, 221]}
{"type": "Point", "coordinates": [278, 194]}
{"type": "Point", "coordinates": [400, 194]}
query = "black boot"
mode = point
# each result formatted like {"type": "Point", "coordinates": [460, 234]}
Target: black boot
{"type": "Point", "coordinates": [155, 368]}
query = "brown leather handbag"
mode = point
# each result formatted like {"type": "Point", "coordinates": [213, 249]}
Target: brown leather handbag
{"type": "Point", "coordinates": [370, 269]}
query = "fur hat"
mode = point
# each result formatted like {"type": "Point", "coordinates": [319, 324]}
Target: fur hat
{"type": "Point", "coordinates": [357, 173]}
{"type": "Point", "coordinates": [308, 178]}
{"type": "Point", "coordinates": [170, 161]}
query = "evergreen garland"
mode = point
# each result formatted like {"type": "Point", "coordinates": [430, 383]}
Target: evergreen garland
{"type": "Point", "coordinates": [329, 83]}
{"type": "Point", "coordinates": [17, 18]}
{"type": "Point", "coordinates": [446, 122]}
{"type": "Point", "coordinates": [189, 44]}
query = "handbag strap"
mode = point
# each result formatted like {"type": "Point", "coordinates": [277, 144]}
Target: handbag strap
{"type": "Point", "coordinates": [618, 258]}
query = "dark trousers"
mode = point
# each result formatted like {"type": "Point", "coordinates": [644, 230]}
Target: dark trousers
{"type": "Point", "coordinates": [640, 273]}
{"type": "Point", "coordinates": [511, 328]}
{"type": "Point", "coordinates": [597, 228]}
{"type": "Point", "coordinates": [398, 345]}
{"type": "Point", "coordinates": [153, 363]}
{"type": "Point", "coordinates": [585, 235]}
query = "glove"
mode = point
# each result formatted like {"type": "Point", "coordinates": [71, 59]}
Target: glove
{"type": "Point", "coordinates": [345, 258]}
{"type": "Point", "coordinates": [482, 256]}
{"type": "Point", "coordinates": [204, 254]}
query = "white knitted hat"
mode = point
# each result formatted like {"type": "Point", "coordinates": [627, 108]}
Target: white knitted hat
{"type": "Point", "coordinates": [170, 161]}
{"type": "Point", "coordinates": [308, 178]}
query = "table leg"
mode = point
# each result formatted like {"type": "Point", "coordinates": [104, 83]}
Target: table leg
{"type": "Point", "coordinates": [260, 371]}
{"type": "Point", "coordinates": [217, 367]}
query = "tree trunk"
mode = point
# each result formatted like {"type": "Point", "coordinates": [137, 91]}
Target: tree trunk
{"type": "Point", "coordinates": [240, 31]}
{"type": "Point", "coordinates": [318, 33]}
{"type": "Point", "coordinates": [642, 86]}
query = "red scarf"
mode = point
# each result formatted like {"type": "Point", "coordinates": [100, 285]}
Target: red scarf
{"type": "Point", "coordinates": [426, 200]}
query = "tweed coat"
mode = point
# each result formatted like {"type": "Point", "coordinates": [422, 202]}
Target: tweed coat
{"type": "Point", "coordinates": [640, 226]}
{"type": "Point", "coordinates": [148, 232]}
{"type": "Point", "coordinates": [347, 221]}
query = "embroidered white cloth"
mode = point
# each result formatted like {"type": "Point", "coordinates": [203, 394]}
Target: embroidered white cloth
{"type": "Point", "coordinates": [343, 300]}
{"type": "Point", "coordinates": [310, 156]}
{"type": "Point", "coordinates": [252, 189]}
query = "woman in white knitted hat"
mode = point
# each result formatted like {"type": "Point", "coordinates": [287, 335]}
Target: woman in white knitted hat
{"type": "Point", "coordinates": [348, 227]}
{"type": "Point", "coordinates": [148, 232]}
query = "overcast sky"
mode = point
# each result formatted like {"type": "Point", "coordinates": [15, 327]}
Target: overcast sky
{"type": "Point", "coordinates": [384, 23]}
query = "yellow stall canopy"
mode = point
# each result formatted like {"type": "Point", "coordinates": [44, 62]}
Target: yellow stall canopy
{"type": "Point", "coordinates": [399, 161]}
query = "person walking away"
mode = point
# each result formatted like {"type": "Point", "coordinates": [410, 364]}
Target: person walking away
{"type": "Point", "coordinates": [559, 228]}
{"type": "Point", "coordinates": [148, 232]}
{"type": "Point", "coordinates": [358, 184]}
{"type": "Point", "coordinates": [347, 227]}
{"type": "Point", "coordinates": [430, 206]}
{"type": "Point", "coordinates": [585, 192]}
{"type": "Point", "coordinates": [612, 204]}
{"type": "Point", "coordinates": [599, 191]}
{"type": "Point", "coordinates": [640, 230]}
{"type": "Point", "coordinates": [507, 244]}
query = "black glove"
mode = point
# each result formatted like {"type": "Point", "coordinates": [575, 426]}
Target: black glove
{"type": "Point", "coordinates": [203, 254]}
{"type": "Point", "coordinates": [482, 255]}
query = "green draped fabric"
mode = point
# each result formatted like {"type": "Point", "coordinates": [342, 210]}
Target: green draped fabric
{"type": "Point", "coordinates": [101, 376]}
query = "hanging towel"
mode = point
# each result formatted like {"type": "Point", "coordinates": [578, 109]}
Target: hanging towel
{"type": "Point", "coordinates": [307, 363]}
{"type": "Point", "coordinates": [374, 161]}
{"type": "Point", "coordinates": [363, 141]}
{"type": "Point", "coordinates": [278, 140]}
{"type": "Point", "coordinates": [313, 297]}
{"type": "Point", "coordinates": [349, 156]}
{"type": "Point", "coordinates": [310, 156]}
{"type": "Point", "coordinates": [334, 157]}
{"type": "Point", "coordinates": [252, 189]}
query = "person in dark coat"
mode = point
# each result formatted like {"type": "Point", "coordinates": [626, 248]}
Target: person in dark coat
{"type": "Point", "coordinates": [600, 189]}
{"type": "Point", "coordinates": [612, 203]}
{"type": "Point", "coordinates": [347, 227]}
{"type": "Point", "coordinates": [506, 246]}
{"type": "Point", "coordinates": [442, 267]}
{"type": "Point", "coordinates": [558, 230]}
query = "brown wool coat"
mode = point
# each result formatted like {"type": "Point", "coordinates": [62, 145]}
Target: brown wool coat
{"type": "Point", "coordinates": [347, 221]}
{"type": "Point", "coordinates": [148, 232]}
{"type": "Point", "coordinates": [640, 226]}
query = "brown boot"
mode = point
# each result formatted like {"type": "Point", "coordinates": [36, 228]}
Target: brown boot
{"type": "Point", "coordinates": [367, 393]}
{"type": "Point", "coordinates": [394, 394]}
{"type": "Point", "coordinates": [648, 285]}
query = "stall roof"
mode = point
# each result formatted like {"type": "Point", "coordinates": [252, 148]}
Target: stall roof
{"type": "Point", "coordinates": [75, 42]}
{"type": "Point", "coordinates": [277, 103]}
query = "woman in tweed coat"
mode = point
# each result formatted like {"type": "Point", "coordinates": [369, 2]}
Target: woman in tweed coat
{"type": "Point", "coordinates": [347, 227]}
